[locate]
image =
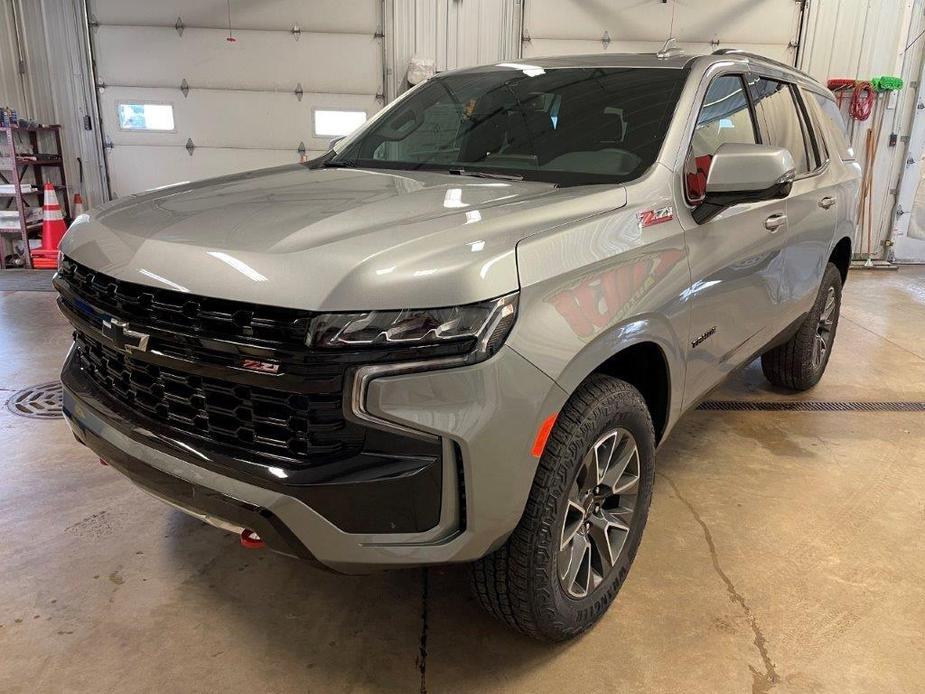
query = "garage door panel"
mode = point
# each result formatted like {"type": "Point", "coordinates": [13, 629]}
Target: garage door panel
{"type": "Point", "coordinates": [359, 16]}
{"type": "Point", "coordinates": [144, 167]}
{"type": "Point", "coordinates": [579, 19]}
{"type": "Point", "coordinates": [749, 21]}
{"type": "Point", "coordinates": [268, 60]}
{"type": "Point", "coordinates": [553, 47]}
{"type": "Point", "coordinates": [215, 118]}
{"type": "Point", "coordinates": [559, 27]}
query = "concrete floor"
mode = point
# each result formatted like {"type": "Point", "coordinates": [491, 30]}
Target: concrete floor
{"type": "Point", "coordinates": [785, 552]}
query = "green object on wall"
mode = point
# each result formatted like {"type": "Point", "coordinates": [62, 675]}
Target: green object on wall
{"type": "Point", "coordinates": [886, 83]}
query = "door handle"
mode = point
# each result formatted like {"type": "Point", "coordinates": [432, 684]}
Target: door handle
{"type": "Point", "coordinates": [826, 202]}
{"type": "Point", "coordinates": [775, 222]}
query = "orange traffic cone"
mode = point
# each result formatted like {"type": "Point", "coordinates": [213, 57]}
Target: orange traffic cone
{"type": "Point", "coordinates": [78, 207]}
{"type": "Point", "coordinates": [53, 228]}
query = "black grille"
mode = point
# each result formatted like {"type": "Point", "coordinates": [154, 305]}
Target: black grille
{"type": "Point", "coordinates": [305, 427]}
{"type": "Point", "coordinates": [185, 313]}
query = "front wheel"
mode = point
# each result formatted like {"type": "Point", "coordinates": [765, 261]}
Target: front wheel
{"type": "Point", "coordinates": [799, 363]}
{"type": "Point", "coordinates": [565, 562]}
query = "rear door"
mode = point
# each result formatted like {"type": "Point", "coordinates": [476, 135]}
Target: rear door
{"type": "Point", "coordinates": [812, 207]}
{"type": "Point", "coordinates": [735, 257]}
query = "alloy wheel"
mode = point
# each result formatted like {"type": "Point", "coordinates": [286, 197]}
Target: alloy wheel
{"type": "Point", "coordinates": [599, 512]}
{"type": "Point", "coordinates": [823, 337]}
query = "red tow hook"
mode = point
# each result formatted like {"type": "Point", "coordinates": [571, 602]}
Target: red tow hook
{"type": "Point", "coordinates": [251, 540]}
{"type": "Point", "coordinates": [103, 462]}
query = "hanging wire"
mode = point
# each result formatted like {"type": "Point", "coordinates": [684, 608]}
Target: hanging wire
{"type": "Point", "coordinates": [231, 38]}
{"type": "Point", "coordinates": [674, 6]}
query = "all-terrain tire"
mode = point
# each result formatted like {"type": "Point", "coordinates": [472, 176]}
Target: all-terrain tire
{"type": "Point", "coordinates": [791, 365]}
{"type": "Point", "coordinates": [519, 584]}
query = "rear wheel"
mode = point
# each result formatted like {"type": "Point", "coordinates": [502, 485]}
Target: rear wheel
{"type": "Point", "coordinates": [799, 363]}
{"type": "Point", "coordinates": [566, 560]}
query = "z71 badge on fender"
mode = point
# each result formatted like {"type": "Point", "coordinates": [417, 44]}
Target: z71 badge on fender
{"type": "Point", "coordinates": [649, 218]}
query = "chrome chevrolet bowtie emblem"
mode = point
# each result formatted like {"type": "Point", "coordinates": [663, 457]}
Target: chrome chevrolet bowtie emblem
{"type": "Point", "coordinates": [123, 338]}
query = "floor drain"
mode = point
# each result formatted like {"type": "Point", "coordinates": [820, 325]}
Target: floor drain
{"type": "Point", "coordinates": [812, 406]}
{"type": "Point", "coordinates": [39, 402]}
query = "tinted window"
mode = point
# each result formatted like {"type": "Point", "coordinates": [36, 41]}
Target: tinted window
{"type": "Point", "coordinates": [779, 121]}
{"type": "Point", "coordinates": [817, 120]}
{"type": "Point", "coordinates": [827, 112]}
{"type": "Point", "coordinates": [724, 117]}
{"type": "Point", "coordinates": [569, 126]}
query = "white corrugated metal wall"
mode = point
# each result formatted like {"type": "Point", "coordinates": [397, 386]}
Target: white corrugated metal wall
{"type": "Point", "coordinates": [861, 39]}
{"type": "Point", "coordinates": [55, 84]}
{"type": "Point", "coordinates": [453, 33]}
{"type": "Point", "coordinates": [18, 49]}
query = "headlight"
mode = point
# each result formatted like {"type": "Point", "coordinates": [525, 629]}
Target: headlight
{"type": "Point", "coordinates": [485, 325]}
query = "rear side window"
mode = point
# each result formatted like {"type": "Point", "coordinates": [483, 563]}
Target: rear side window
{"type": "Point", "coordinates": [816, 118]}
{"type": "Point", "coordinates": [826, 112]}
{"type": "Point", "coordinates": [779, 121]}
{"type": "Point", "coordinates": [724, 117]}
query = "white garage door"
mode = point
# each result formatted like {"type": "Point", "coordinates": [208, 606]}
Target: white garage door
{"type": "Point", "coordinates": [558, 27]}
{"type": "Point", "coordinates": [180, 101]}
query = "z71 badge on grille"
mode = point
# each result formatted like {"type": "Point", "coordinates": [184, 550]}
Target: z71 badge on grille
{"type": "Point", "coordinates": [267, 367]}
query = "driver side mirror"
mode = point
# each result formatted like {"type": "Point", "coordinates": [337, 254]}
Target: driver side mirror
{"type": "Point", "coordinates": [742, 173]}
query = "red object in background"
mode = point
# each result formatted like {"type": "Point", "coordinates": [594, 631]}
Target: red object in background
{"type": "Point", "coordinates": [53, 229]}
{"type": "Point", "coordinates": [862, 96]}
{"type": "Point", "coordinates": [78, 208]}
{"type": "Point", "coordinates": [697, 178]}
{"type": "Point", "coordinates": [251, 540]}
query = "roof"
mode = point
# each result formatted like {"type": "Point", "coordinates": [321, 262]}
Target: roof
{"type": "Point", "coordinates": [675, 60]}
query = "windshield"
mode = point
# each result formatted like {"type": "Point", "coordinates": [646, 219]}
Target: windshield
{"type": "Point", "coordinates": [569, 126]}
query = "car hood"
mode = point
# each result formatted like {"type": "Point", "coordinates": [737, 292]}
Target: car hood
{"type": "Point", "coordinates": [330, 239]}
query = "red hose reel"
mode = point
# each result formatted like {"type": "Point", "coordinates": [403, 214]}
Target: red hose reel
{"type": "Point", "coordinates": [863, 96]}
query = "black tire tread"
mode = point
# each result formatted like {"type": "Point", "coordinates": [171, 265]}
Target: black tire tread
{"type": "Point", "coordinates": [503, 581]}
{"type": "Point", "coordinates": [789, 365]}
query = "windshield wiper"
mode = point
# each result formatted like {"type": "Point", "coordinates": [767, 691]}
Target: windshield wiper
{"type": "Point", "coordinates": [486, 174]}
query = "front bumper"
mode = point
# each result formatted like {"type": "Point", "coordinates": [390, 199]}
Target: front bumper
{"type": "Point", "coordinates": [485, 415]}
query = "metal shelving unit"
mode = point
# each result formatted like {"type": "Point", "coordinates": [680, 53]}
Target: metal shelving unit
{"type": "Point", "coordinates": [19, 160]}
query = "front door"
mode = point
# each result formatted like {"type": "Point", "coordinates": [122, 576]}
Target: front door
{"type": "Point", "coordinates": [735, 257]}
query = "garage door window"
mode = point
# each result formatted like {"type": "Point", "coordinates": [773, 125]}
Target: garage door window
{"type": "Point", "coordinates": [146, 117]}
{"type": "Point", "coordinates": [337, 122]}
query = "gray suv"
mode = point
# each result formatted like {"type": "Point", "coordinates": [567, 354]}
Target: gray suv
{"type": "Point", "coordinates": [460, 335]}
